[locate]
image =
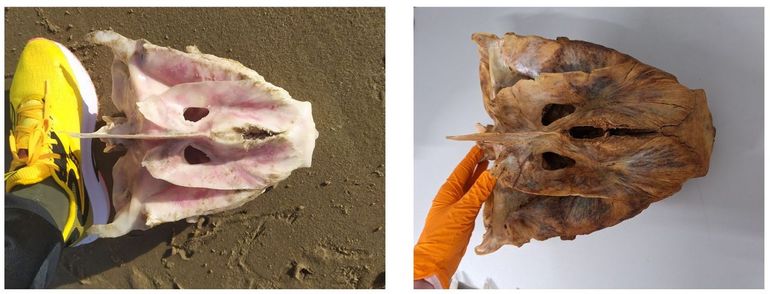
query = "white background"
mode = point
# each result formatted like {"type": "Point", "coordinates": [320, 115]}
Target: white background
{"type": "Point", "coordinates": [709, 235]}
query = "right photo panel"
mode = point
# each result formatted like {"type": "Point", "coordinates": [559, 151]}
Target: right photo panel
{"type": "Point", "coordinates": [588, 148]}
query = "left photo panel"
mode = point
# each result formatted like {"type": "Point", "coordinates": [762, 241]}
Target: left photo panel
{"type": "Point", "coordinates": [194, 147]}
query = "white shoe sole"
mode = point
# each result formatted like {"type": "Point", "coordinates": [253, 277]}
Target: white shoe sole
{"type": "Point", "coordinates": [95, 187]}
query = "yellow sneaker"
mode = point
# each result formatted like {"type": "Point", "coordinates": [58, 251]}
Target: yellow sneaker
{"type": "Point", "coordinates": [48, 95]}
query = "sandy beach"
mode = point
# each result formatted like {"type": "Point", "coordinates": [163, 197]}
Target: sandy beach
{"type": "Point", "coordinates": [324, 226]}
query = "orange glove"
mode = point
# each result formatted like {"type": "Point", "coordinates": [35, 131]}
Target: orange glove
{"type": "Point", "coordinates": [451, 219]}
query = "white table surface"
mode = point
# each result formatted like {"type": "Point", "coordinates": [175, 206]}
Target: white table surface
{"type": "Point", "coordinates": [708, 235]}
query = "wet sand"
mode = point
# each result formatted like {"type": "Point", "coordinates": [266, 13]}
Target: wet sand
{"type": "Point", "coordinates": [323, 227]}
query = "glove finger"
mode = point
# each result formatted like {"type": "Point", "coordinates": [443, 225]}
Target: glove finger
{"type": "Point", "coordinates": [478, 193]}
{"type": "Point", "coordinates": [480, 168]}
{"type": "Point", "coordinates": [465, 168]}
{"type": "Point", "coordinates": [453, 188]}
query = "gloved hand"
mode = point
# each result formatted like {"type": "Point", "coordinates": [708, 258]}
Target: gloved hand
{"type": "Point", "coordinates": [451, 219]}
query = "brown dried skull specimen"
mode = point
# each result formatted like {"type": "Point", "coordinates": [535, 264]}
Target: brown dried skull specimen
{"type": "Point", "coordinates": [584, 137]}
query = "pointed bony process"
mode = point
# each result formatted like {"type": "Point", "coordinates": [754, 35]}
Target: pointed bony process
{"type": "Point", "coordinates": [202, 134]}
{"type": "Point", "coordinates": [583, 138]}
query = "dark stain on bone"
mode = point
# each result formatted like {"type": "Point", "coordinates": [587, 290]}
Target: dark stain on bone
{"type": "Point", "coordinates": [600, 87]}
{"type": "Point", "coordinates": [194, 114]}
{"type": "Point", "coordinates": [576, 55]}
{"type": "Point", "coordinates": [577, 209]}
{"type": "Point", "coordinates": [254, 133]}
{"type": "Point", "coordinates": [570, 67]}
{"type": "Point", "coordinates": [546, 229]}
{"type": "Point", "coordinates": [194, 156]}
{"type": "Point", "coordinates": [140, 54]}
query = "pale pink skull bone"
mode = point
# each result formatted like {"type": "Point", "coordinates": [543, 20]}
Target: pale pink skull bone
{"type": "Point", "coordinates": [250, 133]}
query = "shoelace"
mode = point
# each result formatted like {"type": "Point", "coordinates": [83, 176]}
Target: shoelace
{"type": "Point", "coordinates": [35, 130]}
